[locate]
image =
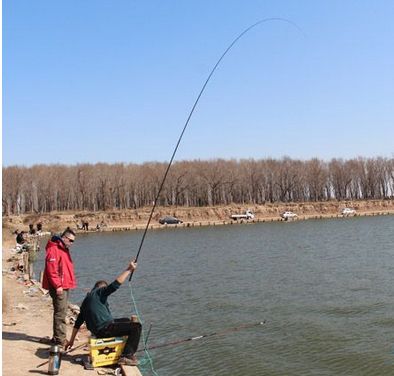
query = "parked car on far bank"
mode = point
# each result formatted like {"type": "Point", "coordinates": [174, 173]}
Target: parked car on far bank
{"type": "Point", "coordinates": [168, 220]}
{"type": "Point", "coordinates": [348, 211]}
{"type": "Point", "coordinates": [247, 215]}
{"type": "Point", "coordinates": [288, 215]}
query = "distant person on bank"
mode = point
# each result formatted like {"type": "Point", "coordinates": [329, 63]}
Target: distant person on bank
{"type": "Point", "coordinates": [97, 315]}
{"type": "Point", "coordinates": [21, 242]}
{"type": "Point", "coordinates": [59, 278]}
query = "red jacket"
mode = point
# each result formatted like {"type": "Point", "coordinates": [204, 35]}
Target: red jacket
{"type": "Point", "coordinates": [59, 267]}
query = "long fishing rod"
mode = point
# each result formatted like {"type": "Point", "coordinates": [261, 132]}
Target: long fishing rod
{"type": "Point", "coordinates": [223, 332]}
{"type": "Point", "coordinates": [191, 113]}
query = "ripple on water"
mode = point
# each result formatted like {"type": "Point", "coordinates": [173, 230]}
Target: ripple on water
{"type": "Point", "coordinates": [324, 287]}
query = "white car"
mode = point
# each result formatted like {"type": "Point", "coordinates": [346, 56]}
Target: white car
{"type": "Point", "coordinates": [348, 211]}
{"type": "Point", "coordinates": [247, 215]}
{"type": "Point", "coordinates": [288, 215]}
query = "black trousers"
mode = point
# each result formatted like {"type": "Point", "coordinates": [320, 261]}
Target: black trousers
{"type": "Point", "coordinates": [123, 327]}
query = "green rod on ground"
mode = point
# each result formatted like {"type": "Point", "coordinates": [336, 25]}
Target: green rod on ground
{"type": "Point", "coordinates": [184, 340]}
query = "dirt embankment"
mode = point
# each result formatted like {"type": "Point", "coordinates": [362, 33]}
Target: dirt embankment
{"type": "Point", "coordinates": [128, 219]}
{"type": "Point", "coordinates": [27, 319]}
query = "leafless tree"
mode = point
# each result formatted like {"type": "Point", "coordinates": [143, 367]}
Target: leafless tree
{"type": "Point", "coordinates": [101, 186]}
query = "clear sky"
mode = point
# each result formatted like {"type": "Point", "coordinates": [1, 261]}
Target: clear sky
{"type": "Point", "coordinates": [113, 81]}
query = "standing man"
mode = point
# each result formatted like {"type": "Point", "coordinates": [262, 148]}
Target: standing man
{"type": "Point", "coordinates": [95, 312]}
{"type": "Point", "coordinates": [59, 278]}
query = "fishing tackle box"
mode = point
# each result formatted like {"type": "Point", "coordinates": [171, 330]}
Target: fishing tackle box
{"type": "Point", "coordinates": [106, 351]}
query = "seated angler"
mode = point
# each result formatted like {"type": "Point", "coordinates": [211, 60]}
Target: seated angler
{"type": "Point", "coordinates": [97, 315]}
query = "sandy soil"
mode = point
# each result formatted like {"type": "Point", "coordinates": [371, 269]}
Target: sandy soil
{"type": "Point", "coordinates": [137, 219]}
{"type": "Point", "coordinates": [27, 318]}
{"type": "Point", "coordinates": [27, 312]}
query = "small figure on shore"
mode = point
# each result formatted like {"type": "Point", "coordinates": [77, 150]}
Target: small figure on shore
{"type": "Point", "coordinates": [85, 226]}
{"type": "Point", "coordinates": [21, 242]}
{"type": "Point", "coordinates": [32, 231]}
{"type": "Point", "coordinates": [39, 227]}
{"type": "Point", "coordinates": [97, 315]}
{"type": "Point", "coordinates": [59, 278]}
{"type": "Point", "coordinates": [21, 238]}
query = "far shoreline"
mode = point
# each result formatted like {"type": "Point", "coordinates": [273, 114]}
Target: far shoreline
{"type": "Point", "coordinates": [234, 222]}
{"type": "Point", "coordinates": [137, 219]}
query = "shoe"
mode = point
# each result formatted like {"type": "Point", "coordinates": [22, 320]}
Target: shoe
{"type": "Point", "coordinates": [128, 360]}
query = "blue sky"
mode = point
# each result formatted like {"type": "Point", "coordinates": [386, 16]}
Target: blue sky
{"type": "Point", "coordinates": [114, 81]}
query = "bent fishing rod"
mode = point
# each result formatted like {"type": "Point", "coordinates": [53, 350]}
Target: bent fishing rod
{"type": "Point", "coordinates": [191, 114]}
{"type": "Point", "coordinates": [221, 333]}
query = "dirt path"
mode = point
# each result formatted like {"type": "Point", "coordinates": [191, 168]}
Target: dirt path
{"type": "Point", "coordinates": [121, 220]}
{"type": "Point", "coordinates": [27, 317]}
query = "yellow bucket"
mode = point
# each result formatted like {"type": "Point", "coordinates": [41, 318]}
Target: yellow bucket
{"type": "Point", "coordinates": [106, 351]}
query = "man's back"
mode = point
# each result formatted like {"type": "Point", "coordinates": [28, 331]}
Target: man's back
{"type": "Point", "coordinates": [95, 310]}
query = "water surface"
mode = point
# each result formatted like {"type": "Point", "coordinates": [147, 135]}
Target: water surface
{"type": "Point", "coordinates": [324, 287]}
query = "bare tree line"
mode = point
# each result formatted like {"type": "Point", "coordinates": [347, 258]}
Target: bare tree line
{"type": "Point", "coordinates": [97, 187]}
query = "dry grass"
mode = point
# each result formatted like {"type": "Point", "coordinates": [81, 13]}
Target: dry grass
{"type": "Point", "coordinates": [58, 221]}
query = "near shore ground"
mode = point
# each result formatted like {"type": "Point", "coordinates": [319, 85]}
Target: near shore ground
{"type": "Point", "coordinates": [27, 318]}
{"type": "Point", "coordinates": [27, 311]}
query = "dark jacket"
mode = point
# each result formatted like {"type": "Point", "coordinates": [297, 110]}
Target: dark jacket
{"type": "Point", "coordinates": [59, 267]}
{"type": "Point", "coordinates": [95, 309]}
{"type": "Point", "coordinates": [20, 239]}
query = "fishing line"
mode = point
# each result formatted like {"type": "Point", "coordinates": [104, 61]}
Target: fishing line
{"type": "Point", "coordinates": [147, 361]}
{"type": "Point", "coordinates": [191, 113]}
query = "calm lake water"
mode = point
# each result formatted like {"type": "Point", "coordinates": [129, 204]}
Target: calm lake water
{"type": "Point", "coordinates": [324, 287]}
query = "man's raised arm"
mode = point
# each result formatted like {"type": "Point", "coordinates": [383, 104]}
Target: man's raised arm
{"type": "Point", "coordinates": [121, 278]}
